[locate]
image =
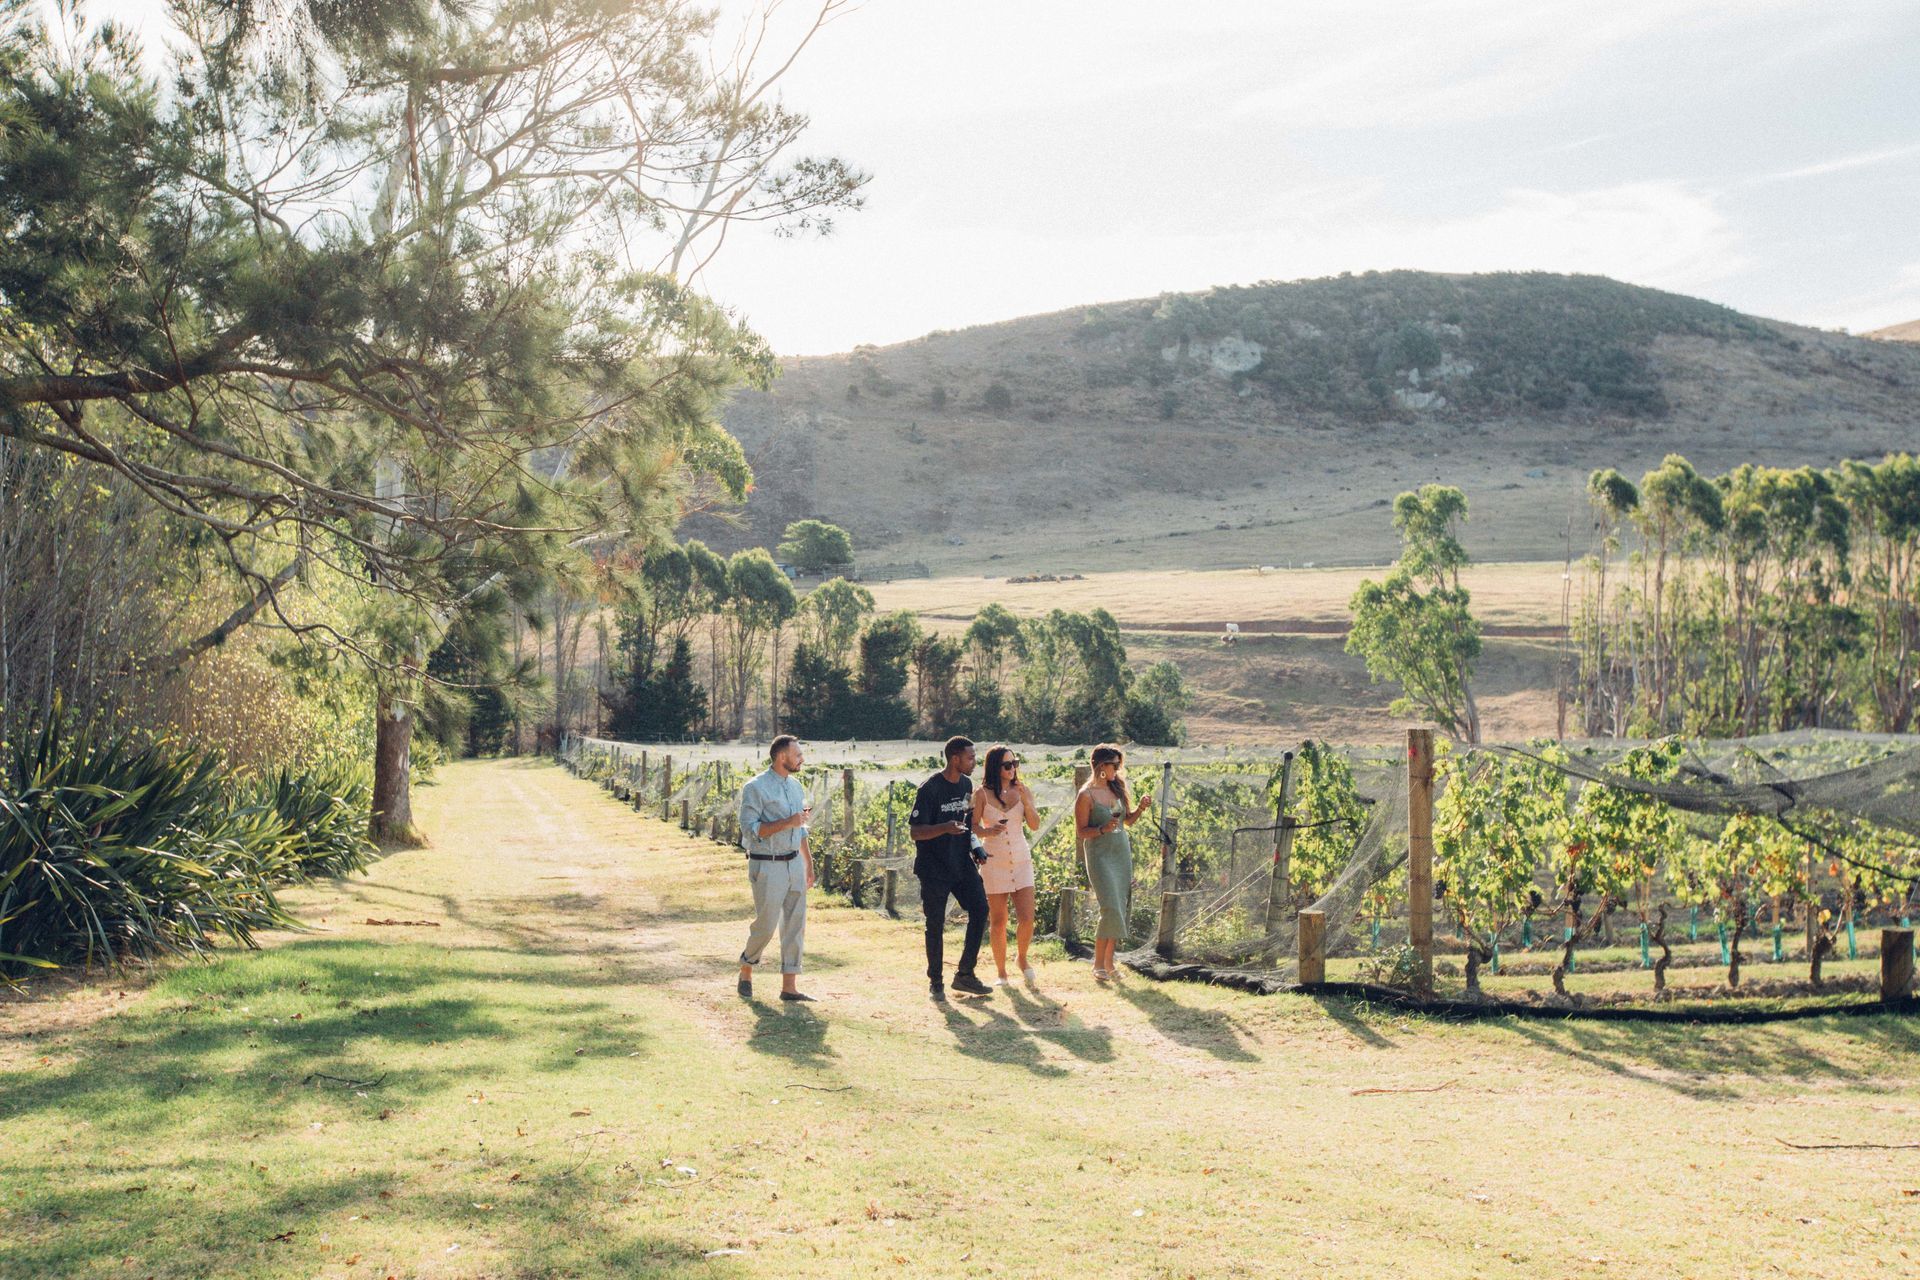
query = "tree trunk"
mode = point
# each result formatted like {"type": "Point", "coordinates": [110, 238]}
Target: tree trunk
{"type": "Point", "coordinates": [1666, 953]}
{"type": "Point", "coordinates": [392, 772]}
{"type": "Point", "coordinates": [1739, 925]}
{"type": "Point", "coordinates": [1822, 947]}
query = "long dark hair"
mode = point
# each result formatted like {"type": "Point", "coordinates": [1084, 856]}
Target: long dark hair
{"type": "Point", "coordinates": [996, 765]}
{"type": "Point", "coordinates": [1107, 753]}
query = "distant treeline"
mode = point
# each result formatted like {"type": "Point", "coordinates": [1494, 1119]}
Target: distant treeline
{"type": "Point", "coordinates": [853, 673]}
{"type": "Point", "coordinates": [1759, 600]}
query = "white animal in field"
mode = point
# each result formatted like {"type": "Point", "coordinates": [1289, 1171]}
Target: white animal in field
{"type": "Point", "coordinates": [1231, 635]}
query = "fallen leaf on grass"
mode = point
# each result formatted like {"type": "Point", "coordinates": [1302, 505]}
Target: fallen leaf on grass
{"type": "Point", "coordinates": [284, 1235]}
{"type": "Point", "coordinates": [584, 1111]}
{"type": "Point", "coordinates": [476, 1204]}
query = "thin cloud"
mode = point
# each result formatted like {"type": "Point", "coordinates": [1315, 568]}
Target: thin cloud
{"type": "Point", "coordinates": [1860, 160]}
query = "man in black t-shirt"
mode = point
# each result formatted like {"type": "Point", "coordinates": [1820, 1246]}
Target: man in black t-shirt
{"type": "Point", "coordinates": [943, 861]}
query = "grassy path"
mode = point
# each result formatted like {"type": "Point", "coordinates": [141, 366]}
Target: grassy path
{"type": "Point", "coordinates": [555, 1078]}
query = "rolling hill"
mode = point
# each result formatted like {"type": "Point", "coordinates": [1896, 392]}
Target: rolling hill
{"type": "Point", "coordinates": [1273, 423]}
{"type": "Point", "coordinates": [1908, 332]}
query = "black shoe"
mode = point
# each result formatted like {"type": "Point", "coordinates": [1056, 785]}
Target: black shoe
{"type": "Point", "coordinates": [937, 993]}
{"type": "Point", "coordinates": [745, 988]}
{"type": "Point", "coordinates": [799, 997]}
{"type": "Point", "coordinates": [971, 985]}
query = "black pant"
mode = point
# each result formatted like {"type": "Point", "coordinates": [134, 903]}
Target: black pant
{"type": "Point", "coordinates": [972, 897]}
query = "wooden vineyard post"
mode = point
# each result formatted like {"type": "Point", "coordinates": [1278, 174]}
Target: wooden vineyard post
{"type": "Point", "coordinates": [890, 820]}
{"type": "Point", "coordinates": [1172, 907]}
{"type": "Point", "coordinates": [1896, 965]}
{"type": "Point", "coordinates": [1312, 938]}
{"type": "Point", "coordinates": [890, 891]}
{"type": "Point", "coordinates": [1169, 832]}
{"type": "Point", "coordinates": [1420, 854]}
{"type": "Point", "coordinates": [686, 814]}
{"type": "Point", "coordinates": [846, 816]}
{"type": "Point", "coordinates": [1066, 916]}
{"type": "Point", "coordinates": [666, 787]}
{"type": "Point", "coordinates": [1281, 889]}
{"type": "Point", "coordinates": [641, 790]}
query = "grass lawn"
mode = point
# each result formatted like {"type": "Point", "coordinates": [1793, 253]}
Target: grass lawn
{"type": "Point", "coordinates": [555, 1078]}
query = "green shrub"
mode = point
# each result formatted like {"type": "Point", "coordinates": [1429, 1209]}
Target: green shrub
{"type": "Point", "coordinates": [324, 814]}
{"type": "Point", "coordinates": [110, 850]}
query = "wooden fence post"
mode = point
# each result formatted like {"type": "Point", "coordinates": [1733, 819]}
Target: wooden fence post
{"type": "Point", "coordinates": [1896, 964]}
{"type": "Point", "coordinates": [1420, 854]}
{"type": "Point", "coordinates": [1280, 891]}
{"type": "Point", "coordinates": [666, 787]}
{"type": "Point", "coordinates": [1066, 916]}
{"type": "Point", "coordinates": [1172, 908]}
{"type": "Point", "coordinates": [1312, 939]}
{"type": "Point", "coordinates": [889, 891]}
{"type": "Point", "coordinates": [686, 814]}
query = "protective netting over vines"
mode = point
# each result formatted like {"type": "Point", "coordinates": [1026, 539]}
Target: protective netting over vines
{"type": "Point", "coordinates": [1548, 846]}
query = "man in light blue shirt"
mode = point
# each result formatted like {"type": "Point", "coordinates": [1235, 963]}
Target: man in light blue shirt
{"type": "Point", "coordinates": [773, 829]}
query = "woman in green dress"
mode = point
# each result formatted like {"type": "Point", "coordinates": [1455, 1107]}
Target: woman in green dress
{"type": "Point", "coordinates": [1102, 813]}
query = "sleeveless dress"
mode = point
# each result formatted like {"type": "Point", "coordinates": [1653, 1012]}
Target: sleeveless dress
{"type": "Point", "coordinates": [1009, 865]}
{"type": "Point", "coordinates": [1110, 871]}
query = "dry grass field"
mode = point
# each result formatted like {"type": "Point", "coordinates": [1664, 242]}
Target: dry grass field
{"type": "Point", "coordinates": [1507, 597]}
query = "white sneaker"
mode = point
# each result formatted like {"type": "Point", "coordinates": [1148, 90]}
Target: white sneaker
{"type": "Point", "coordinates": [1027, 972]}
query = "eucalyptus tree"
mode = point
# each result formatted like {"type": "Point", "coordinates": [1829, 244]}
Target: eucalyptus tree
{"type": "Point", "coordinates": [1417, 627]}
{"type": "Point", "coordinates": [831, 616]}
{"type": "Point", "coordinates": [419, 316]}
{"type": "Point", "coordinates": [760, 602]}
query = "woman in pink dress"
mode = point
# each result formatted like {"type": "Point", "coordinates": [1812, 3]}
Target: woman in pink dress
{"type": "Point", "coordinates": [1003, 813]}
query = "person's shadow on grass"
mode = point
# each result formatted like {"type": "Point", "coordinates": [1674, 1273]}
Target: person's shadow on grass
{"type": "Point", "coordinates": [790, 1031]}
{"type": "Point", "coordinates": [1213, 1030]}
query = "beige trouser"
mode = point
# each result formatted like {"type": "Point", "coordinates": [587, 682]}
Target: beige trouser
{"type": "Point", "coordinates": [779, 903]}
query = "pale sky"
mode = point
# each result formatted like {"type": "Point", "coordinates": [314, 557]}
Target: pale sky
{"type": "Point", "coordinates": [1031, 155]}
